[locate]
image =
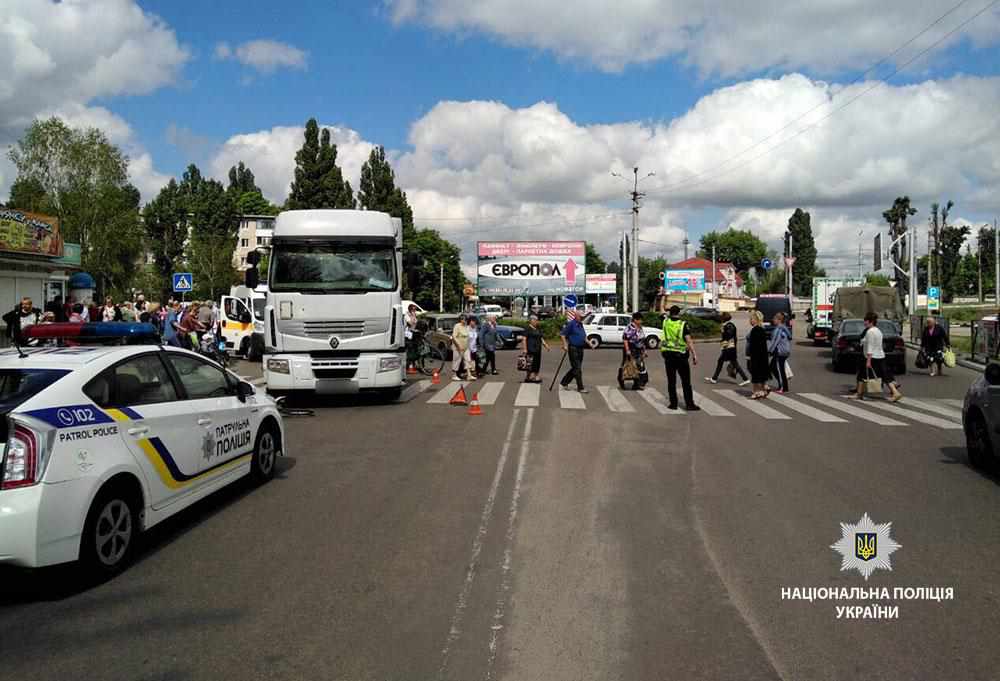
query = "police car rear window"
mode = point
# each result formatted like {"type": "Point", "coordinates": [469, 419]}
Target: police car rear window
{"type": "Point", "coordinates": [17, 385]}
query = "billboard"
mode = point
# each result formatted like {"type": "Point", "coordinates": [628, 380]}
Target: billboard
{"type": "Point", "coordinates": [602, 283]}
{"type": "Point", "coordinates": [531, 268]}
{"type": "Point", "coordinates": [682, 281]}
{"type": "Point", "coordinates": [23, 232]}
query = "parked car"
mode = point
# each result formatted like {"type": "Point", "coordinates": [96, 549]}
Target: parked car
{"type": "Point", "coordinates": [484, 311]}
{"type": "Point", "coordinates": [846, 343]}
{"type": "Point", "coordinates": [607, 329]}
{"type": "Point", "coordinates": [981, 418]}
{"type": "Point", "coordinates": [771, 304]}
{"type": "Point", "coordinates": [439, 328]}
{"type": "Point", "coordinates": [709, 313]}
{"type": "Point", "coordinates": [543, 311]}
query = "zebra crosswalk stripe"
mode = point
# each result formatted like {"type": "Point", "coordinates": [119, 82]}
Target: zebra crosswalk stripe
{"type": "Point", "coordinates": [490, 392]}
{"type": "Point", "coordinates": [446, 392]}
{"type": "Point", "coordinates": [811, 412]}
{"type": "Point", "coordinates": [412, 391]}
{"type": "Point", "coordinates": [569, 399]}
{"type": "Point", "coordinates": [656, 400]}
{"type": "Point", "coordinates": [615, 400]}
{"type": "Point", "coordinates": [709, 407]}
{"type": "Point", "coordinates": [852, 410]}
{"type": "Point", "coordinates": [527, 395]}
{"type": "Point", "coordinates": [916, 416]}
{"type": "Point", "coordinates": [932, 408]}
{"type": "Point", "coordinates": [754, 405]}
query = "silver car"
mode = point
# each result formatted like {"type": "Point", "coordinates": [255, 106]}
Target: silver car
{"type": "Point", "coordinates": [981, 418]}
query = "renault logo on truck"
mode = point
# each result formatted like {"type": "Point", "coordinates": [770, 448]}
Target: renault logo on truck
{"type": "Point", "coordinates": [334, 342]}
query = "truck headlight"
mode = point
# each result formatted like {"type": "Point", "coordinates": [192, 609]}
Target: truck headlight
{"type": "Point", "coordinates": [389, 364]}
{"type": "Point", "coordinates": [278, 366]}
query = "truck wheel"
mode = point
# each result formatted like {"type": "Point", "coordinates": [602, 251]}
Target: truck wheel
{"type": "Point", "coordinates": [393, 394]}
{"type": "Point", "coordinates": [110, 531]}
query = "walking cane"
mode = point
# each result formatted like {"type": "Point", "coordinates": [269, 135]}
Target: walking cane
{"type": "Point", "coordinates": [558, 369]}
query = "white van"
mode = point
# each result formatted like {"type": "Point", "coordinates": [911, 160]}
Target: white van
{"type": "Point", "coordinates": [241, 315]}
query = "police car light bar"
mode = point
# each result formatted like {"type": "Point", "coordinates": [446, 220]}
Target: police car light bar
{"type": "Point", "coordinates": [95, 330]}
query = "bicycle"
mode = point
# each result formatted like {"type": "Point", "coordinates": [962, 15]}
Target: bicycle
{"type": "Point", "coordinates": [427, 358]}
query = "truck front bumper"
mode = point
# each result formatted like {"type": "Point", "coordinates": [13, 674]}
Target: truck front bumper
{"type": "Point", "coordinates": [335, 375]}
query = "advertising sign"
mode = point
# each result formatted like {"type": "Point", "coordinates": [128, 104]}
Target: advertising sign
{"type": "Point", "coordinates": [602, 283]}
{"type": "Point", "coordinates": [34, 233]}
{"type": "Point", "coordinates": [682, 281]}
{"type": "Point", "coordinates": [532, 268]}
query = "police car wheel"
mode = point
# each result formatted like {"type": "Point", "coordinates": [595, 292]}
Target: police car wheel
{"type": "Point", "coordinates": [110, 532]}
{"type": "Point", "coordinates": [265, 455]}
{"type": "Point", "coordinates": [652, 342]}
{"type": "Point", "coordinates": [978, 443]}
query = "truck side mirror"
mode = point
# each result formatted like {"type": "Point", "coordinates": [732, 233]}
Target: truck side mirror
{"type": "Point", "coordinates": [413, 278]}
{"type": "Point", "coordinates": [251, 277]}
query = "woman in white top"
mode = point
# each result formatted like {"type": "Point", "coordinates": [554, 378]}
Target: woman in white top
{"type": "Point", "coordinates": [874, 364]}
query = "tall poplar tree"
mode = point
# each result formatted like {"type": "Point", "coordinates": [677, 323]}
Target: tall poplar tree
{"type": "Point", "coordinates": [319, 182]}
{"type": "Point", "coordinates": [378, 191]}
{"type": "Point", "coordinates": [804, 250]}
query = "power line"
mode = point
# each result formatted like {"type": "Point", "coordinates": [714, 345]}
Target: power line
{"type": "Point", "coordinates": [896, 71]}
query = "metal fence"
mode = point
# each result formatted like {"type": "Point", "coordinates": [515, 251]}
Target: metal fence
{"type": "Point", "coordinates": [984, 340]}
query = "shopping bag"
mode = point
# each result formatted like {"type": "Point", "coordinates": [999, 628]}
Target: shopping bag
{"type": "Point", "coordinates": [522, 362]}
{"type": "Point", "coordinates": [873, 384]}
{"type": "Point", "coordinates": [949, 358]}
{"type": "Point", "coordinates": [630, 371]}
{"type": "Point", "coordinates": [788, 369]}
{"type": "Point", "coordinates": [922, 362]}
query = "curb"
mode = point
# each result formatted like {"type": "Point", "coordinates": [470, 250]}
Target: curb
{"type": "Point", "coordinates": [965, 363]}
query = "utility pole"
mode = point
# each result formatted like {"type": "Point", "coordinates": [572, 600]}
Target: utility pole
{"type": "Point", "coordinates": [624, 268]}
{"type": "Point", "coordinates": [634, 259]}
{"type": "Point", "coordinates": [441, 291]}
{"type": "Point", "coordinates": [861, 273]}
{"type": "Point", "coordinates": [913, 269]}
{"type": "Point", "coordinates": [715, 281]}
{"type": "Point", "coordinates": [996, 264]}
{"type": "Point", "coordinates": [979, 268]}
{"type": "Point", "coordinates": [686, 244]}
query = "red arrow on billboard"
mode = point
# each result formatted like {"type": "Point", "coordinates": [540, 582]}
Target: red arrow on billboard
{"type": "Point", "coordinates": [570, 271]}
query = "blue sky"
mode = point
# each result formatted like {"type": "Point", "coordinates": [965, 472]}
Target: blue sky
{"type": "Point", "coordinates": [504, 118]}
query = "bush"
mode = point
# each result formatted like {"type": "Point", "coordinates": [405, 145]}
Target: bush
{"type": "Point", "coordinates": [699, 328]}
{"type": "Point", "coordinates": [550, 327]}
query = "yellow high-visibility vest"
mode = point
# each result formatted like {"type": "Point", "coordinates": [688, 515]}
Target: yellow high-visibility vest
{"type": "Point", "coordinates": [673, 336]}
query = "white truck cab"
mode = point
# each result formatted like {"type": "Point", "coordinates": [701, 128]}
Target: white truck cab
{"type": "Point", "coordinates": [333, 322]}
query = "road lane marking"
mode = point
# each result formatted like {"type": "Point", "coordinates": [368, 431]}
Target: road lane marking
{"type": "Point", "coordinates": [657, 401]}
{"type": "Point", "coordinates": [932, 408]}
{"type": "Point", "coordinates": [489, 393]}
{"type": "Point", "coordinates": [569, 399]}
{"type": "Point", "coordinates": [916, 416]}
{"type": "Point", "coordinates": [503, 588]}
{"type": "Point", "coordinates": [852, 410]}
{"type": "Point", "coordinates": [527, 395]}
{"type": "Point", "coordinates": [615, 400]}
{"type": "Point", "coordinates": [958, 404]}
{"type": "Point", "coordinates": [709, 407]}
{"type": "Point", "coordinates": [755, 406]}
{"type": "Point", "coordinates": [446, 392]}
{"type": "Point", "coordinates": [477, 548]}
{"type": "Point", "coordinates": [413, 390]}
{"type": "Point", "coordinates": [811, 412]}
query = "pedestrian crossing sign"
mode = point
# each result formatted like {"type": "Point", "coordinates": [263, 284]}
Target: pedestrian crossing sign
{"type": "Point", "coordinates": [183, 282]}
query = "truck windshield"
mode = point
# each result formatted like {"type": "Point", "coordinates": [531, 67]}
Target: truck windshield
{"type": "Point", "coordinates": [331, 267]}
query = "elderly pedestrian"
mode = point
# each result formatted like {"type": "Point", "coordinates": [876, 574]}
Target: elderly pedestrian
{"type": "Point", "coordinates": [634, 349]}
{"type": "Point", "coordinates": [574, 342]}
{"type": "Point", "coordinates": [474, 348]}
{"type": "Point", "coordinates": [779, 347]}
{"type": "Point", "coordinates": [677, 347]}
{"type": "Point", "coordinates": [531, 344]}
{"type": "Point", "coordinates": [460, 349]}
{"type": "Point", "coordinates": [933, 342]}
{"type": "Point", "coordinates": [728, 353]}
{"type": "Point", "coordinates": [110, 311]}
{"type": "Point", "coordinates": [489, 338]}
{"type": "Point", "coordinates": [20, 318]}
{"type": "Point", "coordinates": [758, 358]}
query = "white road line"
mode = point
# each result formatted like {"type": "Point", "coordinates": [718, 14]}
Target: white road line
{"type": "Point", "coordinates": [811, 412]}
{"type": "Point", "coordinates": [852, 410]}
{"type": "Point", "coordinates": [657, 401]}
{"type": "Point", "coordinates": [413, 390]}
{"type": "Point", "coordinates": [446, 392]}
{"type": "Point", "coordinates": [489, 393]}
{"type": "Point", "coordinates": [570, 399]}
{"type": "Point", "coordinates": [958, 404]}
{"type": "Point", "coordinates": [709, 407]}
{"type": "Point", "coordinates": [756, 406]}
{"type": "Point", "coordinates": [615, 400]}
{"type": "Point", "coordinates": [477, 549]}
{"type": "Point", "coordinates": [504, 587]}
{"type": "Point", "coordinates": [937, 410]}
{"type": "Point", "coordinates": [527, 395]}
{"type": "Point", "coordinates": [916, 416]}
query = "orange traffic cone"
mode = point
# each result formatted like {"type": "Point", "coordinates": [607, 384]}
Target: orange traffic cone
{"type": "Point", "coordinates": [459, 397]}
{"type": "Point", "coordinates": [411, 370]}
{"type": "Point", "coordinates": [436, 377]}
{"type": "Point", "coordinates": [474, 408]}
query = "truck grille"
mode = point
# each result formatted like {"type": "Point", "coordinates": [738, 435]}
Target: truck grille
{"type": "Point", "coordinates": [334, 368]}
{"type": "Point", "coordinates": [346, 328]}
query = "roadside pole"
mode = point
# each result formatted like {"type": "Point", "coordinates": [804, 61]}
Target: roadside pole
{"type": "Point", "coordinates": [996, 264]}
{"type": "Point", "coordinates": [441, 291]}
{"type": "Point", "coordinates": [715, 281]}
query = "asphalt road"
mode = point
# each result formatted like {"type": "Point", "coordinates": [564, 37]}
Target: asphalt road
{"type": "Point", "coordinates": [412, 541]}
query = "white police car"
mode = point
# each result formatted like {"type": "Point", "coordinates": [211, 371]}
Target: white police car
{"type": "Point", "coordinates": [102, 442]}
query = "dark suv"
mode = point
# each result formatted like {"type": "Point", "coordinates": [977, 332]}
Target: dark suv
{"type": "Point", "coordinates": [771, 304]}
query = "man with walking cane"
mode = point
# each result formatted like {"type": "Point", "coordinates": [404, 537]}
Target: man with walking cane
{"type": "Point", "coordinates": [677, 345]}
{"type": "Point", "coordinates": [574, 340]}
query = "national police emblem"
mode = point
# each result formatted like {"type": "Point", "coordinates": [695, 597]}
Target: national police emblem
{"type": "Point", "coordinates": [865, 546]}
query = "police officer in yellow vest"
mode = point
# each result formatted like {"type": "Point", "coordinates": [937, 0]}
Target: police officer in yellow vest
{"type": "Point", "coordinates": [676, 347]}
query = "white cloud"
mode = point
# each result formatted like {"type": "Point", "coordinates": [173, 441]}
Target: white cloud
{"type": "Point", "coordinates": [266, 56]}
{"type": "Point", "coordinates": [716, 36]}
{"type": "Point", "coordinates": [58, 57]}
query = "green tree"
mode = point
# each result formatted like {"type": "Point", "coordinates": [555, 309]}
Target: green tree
{"type": "Point", "coordinates": [876, 279]}
{"type": "Point", "coordinates": [241, 181]}
{"type": "Point", "coordinates": [896, 217]}
{"type": "Point", "coordinates": [434, 252]}
{"type": "Point", "coordinates": [214, 223]}
{"type": "Point", "coordinates": [319, 182]}
{"type": "Point", "coordinates": [740, 247]}
{"type": "Point", "coordinates": [594, 262]}
{"type": "Point", "coordinates": [985, 245]}
{"type": "Point", "coordinates": [84, 181]}
{"type": "Point", "coordinates": [951, 240]}
{"type": "Point", "coordinates": [28, 194]}
{"type": "Point", "coordinates": [254, 203]}
{"type": "Point", "coordinates": [378, 191]}
{"type": "Point", "coordinates": [649, 281]}
{"type": "Point", "coordinates": [804, 250]}
{"type": "Point", "coordinates": [165, 220]}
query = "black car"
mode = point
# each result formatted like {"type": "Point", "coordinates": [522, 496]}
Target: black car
{"type": "Point", "coordinates": [543, 311]}
{"type": "Point", "coordinates": [709, 313]}
{"type": "Point", "coordinates": [846, 343]}
{"type": "Point", "coordinates": [771, 304]}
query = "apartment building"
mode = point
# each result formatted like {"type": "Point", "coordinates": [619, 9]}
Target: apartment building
{"type": "Point", "coordinates": [255, 232]}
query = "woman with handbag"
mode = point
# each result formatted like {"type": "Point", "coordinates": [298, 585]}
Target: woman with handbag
{"type": "Point", "coordinates": [531, 346]}
{"type": "Point", "coordinates": [728, 353]}
{"type": "Point", "coordinates": [872, 374]}
{"type": "Point", "coordinates": [633, 367]}
{"type": "Point", "coordinates": [757, 357]}
{"type": "Point", "coordinates": [933, 342]}
{"type": "Point", "coordinates": [779, 348]}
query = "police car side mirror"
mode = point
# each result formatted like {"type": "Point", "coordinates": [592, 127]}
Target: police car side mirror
{"type": "Point", "coordinates": [244, 390]}
{"type": "Point", "coordinates": [992, 373]}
